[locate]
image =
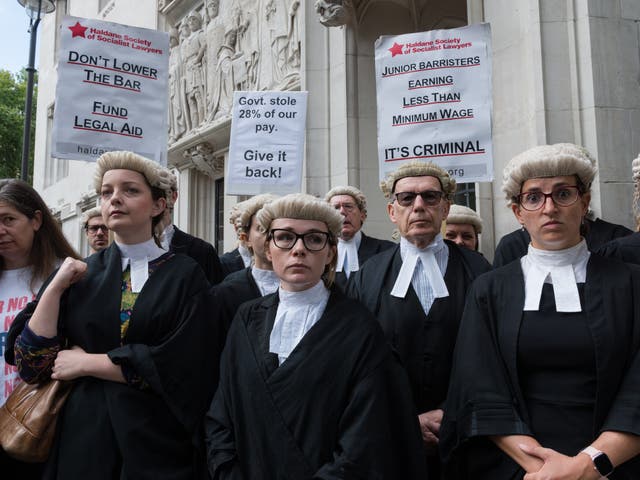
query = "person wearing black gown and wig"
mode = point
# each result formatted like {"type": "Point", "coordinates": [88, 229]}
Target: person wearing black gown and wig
{"type": "Point", "coordinates": [308, 386]}
{"type": "Point", "coordinates": [139, 355]}
{"type": "Point", "coordinates": [546, 379]}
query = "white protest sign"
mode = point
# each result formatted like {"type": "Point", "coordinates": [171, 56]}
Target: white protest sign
{"type": "Point", "coordinates": [112, 90]}
{"type": "Point", "coordinates": [267, 140]}
{"type": "Point", "coordinates": [434, 101]}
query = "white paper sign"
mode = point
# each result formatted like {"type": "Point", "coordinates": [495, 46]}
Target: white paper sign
{"type": "Point", "coordinates": [434, 101]}
{"type": "Point", "coordinates": [267, 140]}
{"type": "Point", "coordinates": [112, 90]}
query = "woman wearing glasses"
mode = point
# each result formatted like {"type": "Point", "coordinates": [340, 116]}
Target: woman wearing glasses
{"type": "Point", "coordinates": [545, 379]}
{"type": "Point", "coordinates": [308, 386]}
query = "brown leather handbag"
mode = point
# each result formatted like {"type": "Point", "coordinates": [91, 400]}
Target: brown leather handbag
{"type": "Point", "coordinates": [28, 419]}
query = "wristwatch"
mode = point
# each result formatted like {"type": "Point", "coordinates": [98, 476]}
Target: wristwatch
{"type": "Point", "coordinates": [601, 462]}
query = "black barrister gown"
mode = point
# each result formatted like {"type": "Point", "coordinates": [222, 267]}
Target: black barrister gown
{"type": "Point", "coordinates": [424, 343]}
{"type": "Point", "coordinates": [231, 262]}
{"type": "Point", "coordinates": [338, 407]}
{"type": "Point", "coordinates": [225, 298]}
{"type": "Point", "coordinates": [486, 396]}
{"type": "Point", "coordinates": [202, 252]}
{"type": "Point", "coordinates": [369, 247]}
{"type": "Point", "coordinates": [626, 248]}
{"type": "Point", "coordinates": [113, 431]}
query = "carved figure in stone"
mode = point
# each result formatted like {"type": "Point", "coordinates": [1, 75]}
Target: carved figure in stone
{"type": "Point", "coordinates": [184, 31]}
{"type": "Point", "coordinates": [177, 125]}
{"type": "Point", "coordinates": [247, 46]}
{"type": "Point", "coordinates": [223, 97]}
{"type": "Point", "coordinates": [214, 35]}
{"type": "Point", "coordinates": [292, 75]}
{"type": "Point", "coordinates": [333, 13]}
{"type": "Point", "coordinates": [277, 24]}
{"type": "Point", "coordinates": [195, 49]}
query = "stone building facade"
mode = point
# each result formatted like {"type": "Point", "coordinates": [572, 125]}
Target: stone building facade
{"type": "Point", "coordinates": [563, 70]}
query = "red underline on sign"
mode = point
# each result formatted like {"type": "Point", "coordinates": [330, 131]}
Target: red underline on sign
{"type": "Point", "coordinates": [430, 121]}
{"type": "Point", "coordinates": [428, 69]}
{"type": "Point", "coordinates": [109, 115]}
{"type": "Point", "coordinates": [479, 152]}
{"type": "Point", "coordinates": [428, 86]}
{"type": "Point", "coordinates": [112, 86]}
{"type": "Point", "coordinates": [113, 70]}
{"type": "Point", "coordinates": [433, 103]}
{"type": "Point", "coordinates": [107, 131]}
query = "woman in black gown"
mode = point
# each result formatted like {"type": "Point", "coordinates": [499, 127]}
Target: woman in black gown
{"type": "Point", "coordinates": [545, 380]}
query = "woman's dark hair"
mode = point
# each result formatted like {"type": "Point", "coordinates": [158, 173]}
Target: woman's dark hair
{"type": "Point", "coordinates": [49, 243]}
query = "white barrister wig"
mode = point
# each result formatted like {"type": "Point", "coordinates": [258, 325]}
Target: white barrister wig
{"type": "Point", "coordinates": [555, 160]}
{"type": "Point", "coordinates": [419, 169]}
{"type": "Point", "coordinates": [152, 171]}
{"type": "Point", "coordinates": [459, 214]}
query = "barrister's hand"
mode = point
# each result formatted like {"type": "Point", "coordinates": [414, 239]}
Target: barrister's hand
{"type": "Point", "coordinates": [560, 467]}
{"type": "Point", "coordinates": [430, 427]}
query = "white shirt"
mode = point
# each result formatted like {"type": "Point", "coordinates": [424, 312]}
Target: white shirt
{"type": "Point", "coordinates": [266, 280]}
{"type": "Point", "coordinates": [138, 256]}
{"type": "Point", "coordinates": [297, 313]}
{"type": "Point", "coordinates": [167, 236]}
{"type": "Point", "coordinates": [562, 268]}
{"type": "Point", "coordinates": [245, 254]}
{"type": "Point", "coordinates": [348, 254]}
{"type": "Point", "coordinates": [424, 269]}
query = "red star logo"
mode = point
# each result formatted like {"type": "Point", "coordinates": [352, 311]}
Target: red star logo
{"type": "Point", "coordinates": [396, 49]}
{"type": "Point", "coordinates": [78, 30]}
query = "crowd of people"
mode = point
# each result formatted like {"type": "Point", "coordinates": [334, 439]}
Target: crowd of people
{"type": "Point", "coordinates": [315, 351]}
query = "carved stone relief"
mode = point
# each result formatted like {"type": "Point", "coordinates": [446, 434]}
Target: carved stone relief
{"type": "Point", "coordinates": [203, 159]}
{"type": "Point", "coordinates": [333, 13]}
{"type": "Point", "coordinates": [228, 45]}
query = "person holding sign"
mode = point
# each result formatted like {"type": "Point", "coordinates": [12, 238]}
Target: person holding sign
{"type": "Point", "coordinates": [417, 289]}
{"type": "Point", "coordinates": [546, 366]}
{"type": "Point", "coordinates": [142, 355]}
{"type": "Point", "coordinates": [354, 247]}
{"type": "Point", "coordinates": [309, 387]}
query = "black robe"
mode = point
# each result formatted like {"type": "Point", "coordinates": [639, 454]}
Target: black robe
{"type": "Point", "coordinates": [338, 407]}
{"type": "Point", "coordinates": [626, 248]}
{"type": "Point", "coordinates": [515, 245]}
{"type": "Point", "coordinates": [202, 252]}
{"type": "Point", "coordinates": [369, 247]}
{"type": "Point", "coordinates": [231, 262]}
{"type": "Point", "coordinates": [485, 397]}
{"type": "Point", "coordinates": [424, 343]}
{"type": "Point", "coordinates": [226, 297]}
{"type": "Point", "coordinates": [110, 430]}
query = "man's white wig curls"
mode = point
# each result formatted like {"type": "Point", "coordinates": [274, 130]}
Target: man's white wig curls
{"type": "Point", "coordinates": [544, 161]}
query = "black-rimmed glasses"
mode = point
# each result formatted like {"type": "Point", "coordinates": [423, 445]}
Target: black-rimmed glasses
{"type": "Point", "coordinates": [562, 196]}
{"type": "Point", "coordinates": [286, 239]}
{"type": "Point", "coordinates": [430, 198]}
{"type": "Point", "coordinates": [93, 229]}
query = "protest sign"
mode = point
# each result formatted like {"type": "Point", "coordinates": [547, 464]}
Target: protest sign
{"type": "Point", "coordinates": [434, 101]}
{"type": "Point", "coordinates": [267, 140]}
{"type": "Point", "coordinates": [112, 90]}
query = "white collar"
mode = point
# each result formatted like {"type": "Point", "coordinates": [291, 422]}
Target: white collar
{"type": "Point", "coordinates": [410, 255]}
{"type": "Point", "coordinates": [245, 254]}
{"type": "Point", "coordinates": [138, 256]}
{"type": "Point", "coordinates": [562, 268]}
{"type": "Point", "coordinates": [310, 296]}
{"type": "Point", "coordinates": [267, 280]}
{"type": "Point", "coordinates": [167, 236]}
{"type": "Point", "coordinates": [348, 250]}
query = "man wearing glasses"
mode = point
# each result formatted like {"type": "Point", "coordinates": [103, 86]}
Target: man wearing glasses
{"type": "Point", "coordinates": [354, 247]}
{"type": "Point", "coordinates": [96, 231]}
{"type": "Point", "coordinates": [417, 289]}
